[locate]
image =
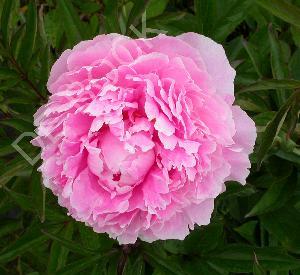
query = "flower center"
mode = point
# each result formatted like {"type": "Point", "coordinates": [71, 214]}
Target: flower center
{"type": "Point", "coordinates": [123, 167]}
{"type": "Point", "coordinates": [116, 177]}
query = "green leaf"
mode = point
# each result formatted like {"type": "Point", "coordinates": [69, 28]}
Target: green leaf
{"type": "Point", "coordinates": [80, 265]}
{"type": "Point", "coordinates": [139, 6]}
{"type": "Point", "coordinates": [234, 189]}
{"type": "Point", "coordinates": [45, 55]}
{"type": "Point", "coordinates": [158, 260]}
{"type": "Point", "coordinates": [247, 231]}
{"type": "Point", "coordinates": [172, 23]}
{"type": "Point", "coordinates": [205, 11]}
{"type": "Point", "coordinates": [88, 237]}
{"type": "Point", "coordinates": [111, 16]}
{"type": "Point", "coordinates": [156, 8]}
{"type": "Point", "coordinates": [38, 192]}
{"type": "Point", "coordinates": [273, 128]}
{"type": "Point", "coordinates": [252, 102]}
{"type": "Point", "coordinates": [45, 62]}
{"type": "Point", "coordinates": [227, 22]}
{"type": "Point", "coordinates": [28, 43]}
{"type": "Point", "coordinates": [9, 84]}
{"type": "Point", "coordinates": [275, 197]}
{"type": "Point", "coordinates": [53, 27]}
{"type": "Point", "coordinates": [24, 201]}
{"type": "Point", "coordinates": [27, 203]}
{"type": "Point", "coordinates": [6, 73]}
{"type": "Point", "coordinates": [72, 24]}
{"type": "Point", "coordinates": [16, 168]}
{"type": "Point", "coordinates": [18, 124]}
{"type": "Point", "coordinates": [293, 119]}
{"type": "Point", "coordinates": [58, 252]}
{"type": "Point", "coordinates": [296, 34]}
{"type": "Point", "coordinates": [293, 157]}
{"type": "Point", "coordinates": [9, 227]}
{"type": "Point", "coordinates": [204, 239]}
{"type": "Point", "coordinates": [5, 20]}
{"type": "Point", "coordinates": [93, 240]}
{"type": "Point", "coordinates": [282, 9]}
{"type": "Point", "coordinates": [138, 267]}
{"type": "Point", "coordinates": [94, 25]}
{"type": "Point", "coordinates": [174, 246]}
{"type": "Point", "coordinates": [113, 263]}
{"type": "Point", "coordinates": [254, 56]}
{"type": "Point", "coordinates": [17, 40]}
{"type": "Point", "coordinates": [257, 268]}
{"type": "Point", "coordinates": [41, 26]}
{"type": "Point", "coordinates": [30, 239]}
{"type": "Point", "coordinates": [198, 266]}
{"type": "Point", "coordinates": [284, 225]}
{"type": "Point", "coordinates": [280, 169]}
{"type": "Point", "coordinates": [239, 258]}
{"type": "Point", "coordinates": [99, 269]}
{"type": "Point", "coordinates": [71, 245]}
{"type": "Point", "coordinates": [88, 7]}
{"type": "Point", "coordinates": [277, 64]}
{"type": "Point", "coordinates": [271, 84]}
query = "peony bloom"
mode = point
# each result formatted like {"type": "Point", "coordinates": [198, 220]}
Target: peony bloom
{"type": "Point", "coordinates": [140, 135]}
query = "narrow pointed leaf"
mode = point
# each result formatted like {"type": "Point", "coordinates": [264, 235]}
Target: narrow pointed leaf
{"type": "Point", "coordinates": [277, 64]}
{"type": "Point", "coordinates": [271, 84]}
{"type": "Point", "coordinates": [257, 268]}
{"type": "Point", "coordinates": [71, 245]}
{"type": "Point", "coordinates": [16, 168]}
{"type": "Point", "coordinates": [253, 57]}
{"type": "Point", "coordinates": [59, 253]}
{"type": "Point", "coordinates": [28, 43]}
{"type": "Point", "coordinates": [38, 192]}
{"type": "Point", "coordinates": [72, 23]}
{"type": "Point", "coordinates": [111, 16]}
{"type": "Point", "coordinates": [31, 238]}
{"type": "Point", "coordinates": [273, 128]}
{"type": "Point", "coordinates": [274, 198]}
{"type": "Point", "coordinates": [239, 258]}
{"type": "Point", "coordinates": [136, 13]}
{"type": "Point", "coordinates": [282, 9]}
{"type": "Point", "coordinates": [5, 20]}
{"type": "Point", "coordinates": [9, 227]}
{"type": "Point", "coordinates": [80, 265]}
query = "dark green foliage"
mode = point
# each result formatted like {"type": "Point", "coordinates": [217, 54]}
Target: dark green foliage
{"type": "Point", "coordinates": [255, 229]}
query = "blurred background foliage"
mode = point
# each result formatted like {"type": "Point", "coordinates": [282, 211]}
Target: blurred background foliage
{"type": "Point", "coordinates": [255, 229]}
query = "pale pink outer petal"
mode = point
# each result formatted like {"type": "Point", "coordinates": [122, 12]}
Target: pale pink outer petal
{"type": "Point", "coordinates": [245, 135]}
{"type": "Point", "coordinates": [59, 67]}
{"type": "Point", "coordinates": [86, 53]}
{"type": "Point", "coordinates": [216, 62]}
{"type": "Point", "coordinates": [244, 138]}
{"type": "Point", "coordinates": [200, 213]}
{"type": "Point", "coordinates": [240, 165]}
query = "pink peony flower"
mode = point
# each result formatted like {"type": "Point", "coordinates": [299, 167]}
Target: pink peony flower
{"type": "Point", "coordinates": [140, 135]}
